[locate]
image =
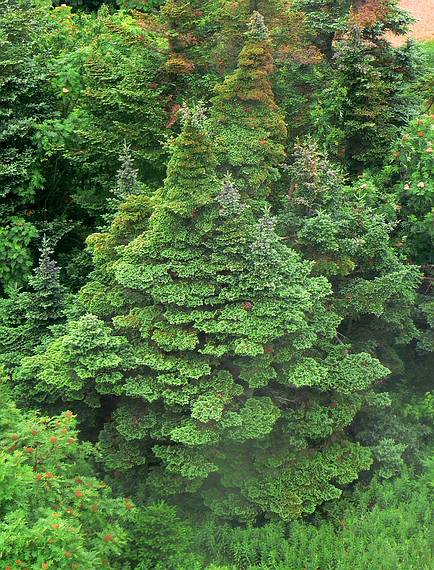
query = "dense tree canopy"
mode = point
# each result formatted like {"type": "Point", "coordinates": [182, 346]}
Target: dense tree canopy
{"type": "Point", "coordinates": [216, 268]}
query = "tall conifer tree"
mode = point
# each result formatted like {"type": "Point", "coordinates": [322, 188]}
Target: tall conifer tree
{"type": "Point", "coordinates": [217, 352]}
{"type": "Point", "coordinates": [233, 19]}
{"type": "Point", "coordinates": [347, 232]}
{"type": "Point", "coordinates": [248, 128]}
{"type": "Point", "coordinates": [366, 98]}
{"type": "Point", "coordinates": [26, 316]}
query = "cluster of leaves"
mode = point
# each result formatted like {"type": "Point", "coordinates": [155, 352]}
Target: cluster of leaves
{"type": "Point", "coordinates": [25, 101]}
{"type": "Point", "coordinates": [55, 512]}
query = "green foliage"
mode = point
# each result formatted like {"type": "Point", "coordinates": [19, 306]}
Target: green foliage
{"type": "Point", "coordinates": [26, 316]}
{"type": "Point", "coordinates": [391, 522]}
{"type": "Point", "coordinates": [106, 77]}
{"type": "Point", "coordinates": [16, 234]}
{"type": "Point", "coordinates": [25, 101]}
{"type": "Point", "coordinates": [218, 334]}
{"type": "Point", "coordinates": [159, 540]}
{"type": "Point", "coordinates": [248, 128]}
{"type": "Point", "coordinates": [347, 231]}
{"type": "Point", "coordinates": [367, 100]}
{"type": "Point", "coordinates": [409, 174]}
{"type": "Point", "coordinates": [248, 333]}
{"type": "Point", "coordinates": [55, 513]}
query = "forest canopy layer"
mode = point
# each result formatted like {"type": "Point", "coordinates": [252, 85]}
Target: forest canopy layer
{"type": "Point", "coordinates": [216, 270]}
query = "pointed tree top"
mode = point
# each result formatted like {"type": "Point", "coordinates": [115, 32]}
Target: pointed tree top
{"type": "Point", "coordinates": [229, 198]}
{"type": "Point", "coordinates": [45, 249]}
{"type": "Point", "coordinates": [194, 116]}
{"type": "Point", "coordinates": [257, 30]}
{"type": "Point", "coordinates": [266, 236]}
{"type": "Point", "coordinates": [127, 175]}
{"type": "Point", "coordinates": [46, 281]}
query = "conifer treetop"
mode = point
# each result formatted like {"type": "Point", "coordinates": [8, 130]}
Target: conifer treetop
{"type": "Point", "coordinates": [127, 175]}
{"type": "Point", "coordinates": [191, 182]}
{"type": "Point", "coordinates": [248, 128]}
{"type": "Point", "coordinates": [194, 115]}
{"type": "Point", "coordinates": [257, 30]}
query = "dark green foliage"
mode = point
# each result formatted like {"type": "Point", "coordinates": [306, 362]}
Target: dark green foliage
{"type": "Point", "coordinates": [347, 232]}
{"type": "Point", "coordinates": [159, 540]}
{"type": "Point", "coordinates": [25, 101]}
{"type": "Point", "coordinates": [106, 75]}
{"type": "Point", "coordinates": [328, 19]}
{"type": "Point", "coordinates": [409, 176]}
{"type": "Point", "coordinates": [26, 316]}
{"type": "Point", "coordinates": [368, 87]}
{"type": "Point", "coordinates": [367, 99]}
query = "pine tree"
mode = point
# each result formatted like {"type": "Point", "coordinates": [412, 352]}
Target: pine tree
{"type": "Point", "coordinates": [217, 350]}
{"type": "Point", "coordinates": [248, 127]}
{"type": "Point", "coordinates": [127, 183]}
{"type": "Point", "coordinates": [233, 20]}
{"type": "Point", "coordinates": [47, 296]}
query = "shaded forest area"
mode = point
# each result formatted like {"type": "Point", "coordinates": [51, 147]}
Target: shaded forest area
{"type": "Point", "coordinates": [216, 286]}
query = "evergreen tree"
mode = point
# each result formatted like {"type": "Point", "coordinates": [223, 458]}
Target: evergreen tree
{"type": "Point", "coordinates": [218, 352]}
{"type": "Point", "coordinates": [181, 18]}
{"type": "Point", "coordinates": [127, 183]}
{"type": "Point", "coordinates": [366, 99]}
{"type": "Point", "coordinates": [325, 18]}
{"type": "Point", "coordinates": [233, 19]}
{"type": "Point", "coordinates": [329, 19]}
{"type": "Point", "coordinates": [248, 128]}
{"type": "Point", "coordinates": [348, 232]}
{"type": "Point", "coordinates": [26, 316]}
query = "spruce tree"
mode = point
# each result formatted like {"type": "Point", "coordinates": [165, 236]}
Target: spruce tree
{"type": "Point", "coordinates": [248, 128]}
{"type": "Point", "coordinates": [347, 231]}
{"type": "Point", "coordinates": [182, 19]}
{"type": "Point", "coordinates": [366, 97]}
{"type": "Point", "coordinates": [217, 350]}
{"type": "Point", "coordinates": [26, 316]}
{"type": "Point", "coordinates": [233, 20]}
